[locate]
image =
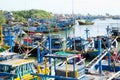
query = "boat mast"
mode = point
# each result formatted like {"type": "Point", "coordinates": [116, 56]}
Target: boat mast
{"type": "Point", "coordinates": [73, 25]}
{"type": "Point", "coordinates": [72, 7]}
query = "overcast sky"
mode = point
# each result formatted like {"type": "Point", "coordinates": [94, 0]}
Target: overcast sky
{"type": "Point", "coordinates": [65, 6]}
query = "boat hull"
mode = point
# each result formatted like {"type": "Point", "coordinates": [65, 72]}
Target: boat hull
{"type": "Point", "coordinates": [92, 54]}
{"type": "Point", "coordinates": [85, 23]}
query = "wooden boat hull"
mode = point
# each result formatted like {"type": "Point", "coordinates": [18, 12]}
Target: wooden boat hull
{"type": "Point", "coordinates": [85, 23]}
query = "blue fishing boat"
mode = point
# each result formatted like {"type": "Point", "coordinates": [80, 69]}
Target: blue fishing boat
{"type": "Point", "coordinates": [43, 28]}
{"type": "Point", "coordinates": [64, 24]}
{"type": "Point", "coordinates": [16, 69]}
{"type": "Point", "coordinates": [81, 46]}
{"type": "Point", "coordinates": [30, 41]}
{"type": "Point", "coordinates": [105, 43]}
{"type": "Point", "coordinates": [115, 31]}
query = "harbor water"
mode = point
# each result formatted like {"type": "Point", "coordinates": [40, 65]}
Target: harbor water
{"type": "Point", "coordinates": [97, 29]}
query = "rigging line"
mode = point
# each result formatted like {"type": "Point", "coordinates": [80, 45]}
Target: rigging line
{"type": "Point", "coordinates": [104, 44]}
{"type": "Point", "coordinates": [39, 43]}
{"type": "Point", "coordinates": [111, 42]}
{"type": "Point", "coordinates": [118, 73]}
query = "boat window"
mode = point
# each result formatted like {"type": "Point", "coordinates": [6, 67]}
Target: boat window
{"type": "Point", "coordinates": [4, 69]}
{"type": "Point", "coordinates": [26, 67]}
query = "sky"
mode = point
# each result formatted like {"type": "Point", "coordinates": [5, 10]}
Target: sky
{"type": "Point", "coordinates": [94, 7]}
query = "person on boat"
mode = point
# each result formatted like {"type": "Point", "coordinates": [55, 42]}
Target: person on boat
{"type": "Point", "coordinates": [78, 58]}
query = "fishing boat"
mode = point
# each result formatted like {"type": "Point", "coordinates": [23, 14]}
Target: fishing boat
{"type": "Point", "coordinates": [64, 24]}
{"type": "Point", "coordinates": [28, 43]}
{"type": "Point", "coordinates": [3, 47]}
{"type": "Point", "coordinates": [104, 44]}
{"type": "Point", "coordinates": [31, 41]}
{"type": "Point", "coordinates": [116, 32]}
{"type": "Point", "coordinates": [81, 46]}
{"type": "Point", "coordinates": [85, 22]}
{"type": "Point", "coordinates": [42, 28]}
{"type": "Point", "coordinates": [5, 53]}
{"type": "Point", "coordinates": [70, 66]}
{"type": "Point", "coordinates": [116, 17]}
{"type": "Point", "coordinates": [114, 67]}
{"type": "Point", "coordinates": [10, 69]}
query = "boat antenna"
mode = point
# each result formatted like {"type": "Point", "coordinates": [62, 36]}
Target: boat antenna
{"type": "Point", "coordinates": [28, 24]}
{"type": "Point", "coordinates": [72, 7]}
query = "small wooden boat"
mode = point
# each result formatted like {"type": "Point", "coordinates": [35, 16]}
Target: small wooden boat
{"type": "Point", "coordinates": [85, 22]}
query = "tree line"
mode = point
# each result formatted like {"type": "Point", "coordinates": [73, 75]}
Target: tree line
{"type": "Point", "coordinates": [23, 15]}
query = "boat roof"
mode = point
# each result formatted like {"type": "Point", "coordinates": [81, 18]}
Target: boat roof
{"type": "Point", "coordinates": [62, 55]}
{"type": "Point", "coordinates": [38, 34]}
{"type": "Point", "coordinates": [55, 36]}
{"type": "Point", "coordinates": [16, 62]}
{"type": "Point", "coordinates": [6, 53]}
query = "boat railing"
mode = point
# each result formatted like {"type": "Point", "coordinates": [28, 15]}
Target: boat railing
{"type": "Point", "coordinates": [118, 73]}
{"type": "Point", "coordinates": [97, 59]}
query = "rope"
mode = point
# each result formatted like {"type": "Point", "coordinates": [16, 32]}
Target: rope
{"type": "Point", "coordinates": [39, 43]}
{"type": "Point", "coordinates": [118, 73]}
{"type": "Point", "coordinates": [104, 44]}
{"type": "Point", "coordinates": [111, 42]}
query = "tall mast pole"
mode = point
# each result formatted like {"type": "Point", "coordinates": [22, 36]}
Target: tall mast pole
{"type": "Point", "coordinates": [72, 7]}
{"type": "Point", "coordinates": [73, 26]}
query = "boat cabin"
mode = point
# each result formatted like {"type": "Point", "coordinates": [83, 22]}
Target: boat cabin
{"type": "Point", "coordinates": [67, 69]}
{"type": "Point", "coordinates": [16, 69]}
{"type": "Point", "coordinates": [115, 31]}
{"type": "Point", "coordinates": [7, 55]}
{"type": "Point", "coordinates": [56, 42]}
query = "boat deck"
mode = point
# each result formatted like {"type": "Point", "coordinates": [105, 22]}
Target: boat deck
{"type": "Point", "coordinates": [96, 76]}
{"type": "Point", "coordinates": [6, 53]}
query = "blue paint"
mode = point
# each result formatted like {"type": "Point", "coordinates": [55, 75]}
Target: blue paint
{"type": "Point", "coordinates": [86, 33]}
{"type": "Point", "coordinates": [108, 30]}
{"type": "Point", "coordinates": [99, 52]}
{"type": "Point", "coordinates": [109, 59]}
{"type": "Point", "coordinates": [38, 55]}
{"type": "Point", "coordinates": [50, 51]}
{"type": "Point", "coordinates": [8, 39]}
{"type": "Point", "coordinates": [7, 74]}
